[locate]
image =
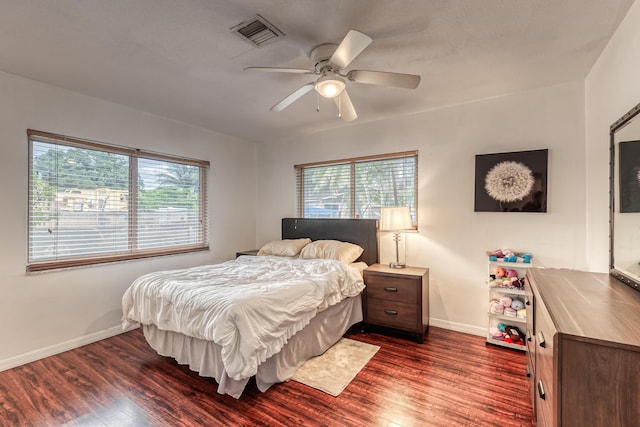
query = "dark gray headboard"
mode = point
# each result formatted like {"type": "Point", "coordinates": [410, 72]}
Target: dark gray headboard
{"type": "Point", "coordinates": [363, 232]}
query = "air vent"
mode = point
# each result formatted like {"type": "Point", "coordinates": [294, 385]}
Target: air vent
{"type": "Point", "coordinates": [257, 31]}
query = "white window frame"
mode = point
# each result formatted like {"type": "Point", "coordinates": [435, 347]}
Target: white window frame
{"type": "Point", "coordinates": [411, 156]}
{"type": "Point", "coordinates": [56, 262]}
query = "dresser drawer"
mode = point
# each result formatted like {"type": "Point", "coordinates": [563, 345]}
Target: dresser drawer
{"type": "Point", "coordinates": [531, 380]}
{"type": "Point", "coordinates": [529, 303]}
{"type": "Point", "coordinates": [530, 337]}
{"type": "Point", "coordinates": [394, 314]}
{"type": "Point", "coordinates": [544, 393]}
{"type": "Point", "coordinates": [545, 354]}
{"type": "Point", "coordinates": [390, 288]}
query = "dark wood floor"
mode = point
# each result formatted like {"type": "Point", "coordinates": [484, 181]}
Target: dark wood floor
{"type": "Point", "coordinates": [453, 379]}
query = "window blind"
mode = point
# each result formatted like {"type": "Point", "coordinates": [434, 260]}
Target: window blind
{"type": "Point", "coordinates": [358, 187]}
{"type": "Point", "coordinates": [91, 203]}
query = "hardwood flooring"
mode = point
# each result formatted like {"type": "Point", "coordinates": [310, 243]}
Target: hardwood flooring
{"type": "Point", "coordinates": [453, 379]}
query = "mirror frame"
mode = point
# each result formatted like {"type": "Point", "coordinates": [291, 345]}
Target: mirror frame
{"type": "Point", "coordinates": [622, 276]}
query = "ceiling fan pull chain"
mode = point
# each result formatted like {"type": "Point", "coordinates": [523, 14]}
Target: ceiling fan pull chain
{"type": "Point", "coordinates": [317, 102]}
{"type": "Point", "coordinates": [340, 107]}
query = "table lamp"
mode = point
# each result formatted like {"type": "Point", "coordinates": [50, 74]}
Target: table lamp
{"type": "Point", "coordinates": [396, 220]}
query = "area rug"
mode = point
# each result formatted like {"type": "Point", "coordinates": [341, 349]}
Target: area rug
{"type": "Point", "coordinates": [333, 370]}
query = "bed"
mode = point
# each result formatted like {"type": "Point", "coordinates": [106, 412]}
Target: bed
{"type": "Point", "coordinates": [223, 320]}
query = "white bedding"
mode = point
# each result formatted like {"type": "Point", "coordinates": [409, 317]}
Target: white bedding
{"type": "Point", "coordinates": [250, 306]}
{"type": "Point", "coordinates": [204, 357]}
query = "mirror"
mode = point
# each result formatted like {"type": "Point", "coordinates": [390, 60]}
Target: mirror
{"type": "Point", "coordinates": [624, 203]}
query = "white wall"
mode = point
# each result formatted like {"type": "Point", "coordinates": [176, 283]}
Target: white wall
{"type": "Point", "coordinates": [452, 238]}
{"type": "Point", "coordinates": [48, 312]}
{"type": "Point", "coordinates": [612, 88]}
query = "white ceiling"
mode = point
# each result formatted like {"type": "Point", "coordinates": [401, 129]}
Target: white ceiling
{"type": "Point", "coordinates": [177, 58]}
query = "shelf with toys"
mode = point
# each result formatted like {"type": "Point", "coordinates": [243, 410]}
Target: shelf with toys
{"type": "Point", "coordinates": [508, 291]}
{"type": "Point", "coordinates": [502, 317]}
{"type": "Point", "coordinates": [507, 312]}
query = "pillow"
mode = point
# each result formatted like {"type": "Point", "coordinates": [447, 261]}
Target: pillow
{"type": "Point", "coordinates": [290, 247]}
{"type": "Point", "coordinates": [332, 249]}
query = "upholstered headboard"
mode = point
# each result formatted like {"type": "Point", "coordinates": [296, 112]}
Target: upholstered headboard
{"type": "Point", "coordinates": [363, 232]}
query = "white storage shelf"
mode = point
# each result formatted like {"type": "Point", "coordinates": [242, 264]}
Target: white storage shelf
{"type": "Point", "coordinates": [508, 319]}
{"type": "Point", "coordinates": [495, 292]}
{"type": "Point", "coordinates": [513, 265]}
{"type": "Point", "coordinates": [506, 291]}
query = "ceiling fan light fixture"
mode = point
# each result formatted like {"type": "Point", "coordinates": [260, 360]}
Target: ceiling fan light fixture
{"type": "Point", "coordinates": [330, 86]}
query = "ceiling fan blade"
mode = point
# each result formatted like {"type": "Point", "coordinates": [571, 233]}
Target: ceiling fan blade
{"type": "Point", "coordinates": [407, 81]}
{"type": "Point", "coordinates": [345, 108]}
{"type": "Point", "coordinates": [350, 47]}
{"type": "Point", "coordinates": [293, 97]}
{"type": "Point", "coordinates": [281, 70]}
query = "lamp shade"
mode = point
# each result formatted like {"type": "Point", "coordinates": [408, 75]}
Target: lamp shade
{"type": "Point", "coordinates": [396, 218]}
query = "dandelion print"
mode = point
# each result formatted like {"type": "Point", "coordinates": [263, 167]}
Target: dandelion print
{"type": "Point", "coordinates": [508, 181]}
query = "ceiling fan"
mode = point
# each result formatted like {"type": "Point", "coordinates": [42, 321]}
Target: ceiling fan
{"type": "Point", "coordinates": [329, 61]}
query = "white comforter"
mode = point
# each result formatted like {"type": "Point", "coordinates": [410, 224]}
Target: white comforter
{"type": "Point", "coordinates": [249, 306]}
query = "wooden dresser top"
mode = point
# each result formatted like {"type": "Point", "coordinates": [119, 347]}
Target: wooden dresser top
{"type": "Point", "coordinates": [590, 306]}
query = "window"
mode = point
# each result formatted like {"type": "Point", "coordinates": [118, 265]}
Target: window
{"type": "Point", "coordinates": [91, 203]}
{"type": "Point", "coordinates": [359, 187]}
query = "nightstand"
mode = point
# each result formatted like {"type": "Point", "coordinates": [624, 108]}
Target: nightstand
{"type": "Point", "coordinates": [253, 252]}
{"type": "Point", "coordinates": [397, 298]}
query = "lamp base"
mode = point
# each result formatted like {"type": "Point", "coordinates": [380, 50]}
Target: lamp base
{"type": "Point", "coordinates": [397, 264]}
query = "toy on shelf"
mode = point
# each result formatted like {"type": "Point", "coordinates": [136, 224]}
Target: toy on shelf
{"type": "Point", "coordinates": [507, 333]}
{"type": "Point", "coordinates": [505, 278]}
{"type": "Point", "coordinates": [508, 305]}
{"type": "Point", "coordinates": [517, 304]}
{"type": "Point", "coordinates": [507, 255]}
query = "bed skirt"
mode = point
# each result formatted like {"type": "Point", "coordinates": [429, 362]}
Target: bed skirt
{"type": "Point", "coordinates": [325, 329]}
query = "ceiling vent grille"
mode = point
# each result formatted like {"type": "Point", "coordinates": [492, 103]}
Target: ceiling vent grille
{"type": "Point", "coordinates": [257, 31]}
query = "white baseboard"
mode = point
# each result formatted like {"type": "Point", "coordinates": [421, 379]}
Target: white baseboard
{"type": "Point", "coordinates": [32, 356]}
{"type": "Point", "coordinates": [41, 353]}
{"type": "Point", "coordinates": [459, 327]}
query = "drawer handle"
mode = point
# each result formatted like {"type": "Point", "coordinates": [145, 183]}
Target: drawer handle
{"type": "Point", "coordinates": [391, 312]}
{"type": "Point", "coordinates": [390, 289]}
{"type": "Point", "coordinates": [528, 371]}
{"type": "Point", "coordinates": [527, 301]}
{"type": "Point", "coordinates": [541, 340]}
{"type": "Point", "coordinates": [528, 336]}
{"type": "Point", "coordinates": [541, 390]}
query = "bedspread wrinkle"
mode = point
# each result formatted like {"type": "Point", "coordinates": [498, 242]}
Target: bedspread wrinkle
{"type": "Point", "coordinates": [250, 306]}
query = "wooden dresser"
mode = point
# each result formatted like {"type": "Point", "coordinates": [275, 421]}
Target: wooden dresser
{"type": "Point", "coordinates": [584, 349]}
{"type": "Point", "coordinates": [397, 298]}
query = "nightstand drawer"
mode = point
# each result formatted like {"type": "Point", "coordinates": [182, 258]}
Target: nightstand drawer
{"type": "Point", "coordinates": [389, 288]}
{"type": "Point", "coordinates": [392, 314]}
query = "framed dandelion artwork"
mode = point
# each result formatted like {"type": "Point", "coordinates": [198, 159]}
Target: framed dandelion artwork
{"type": "Point", "coordinates": [511, 182]}
{"type": "Point", "coordinates": [629, 176]}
